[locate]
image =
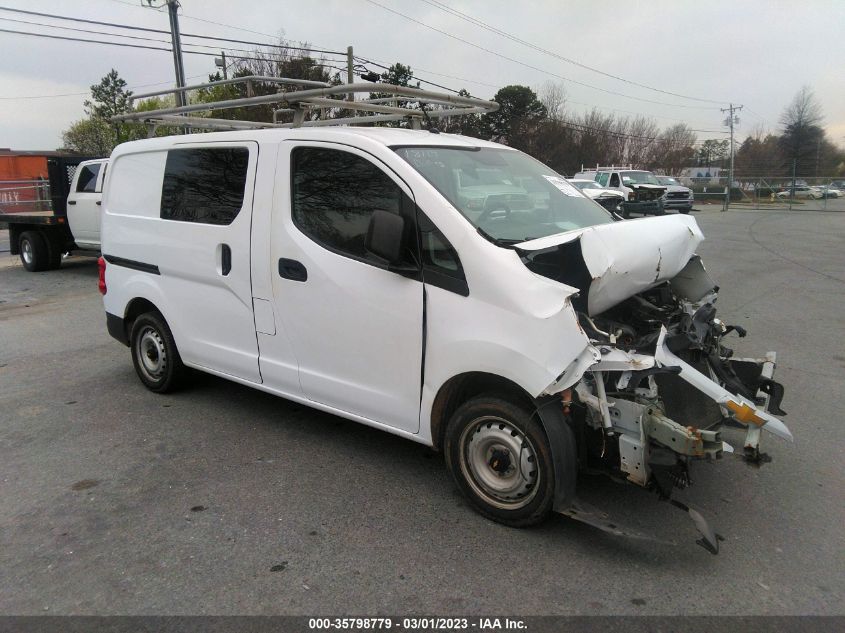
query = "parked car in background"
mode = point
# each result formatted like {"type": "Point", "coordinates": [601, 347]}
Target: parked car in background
{"type": "Point", "coordinates": [799, 192]}
{"type": "Point", "coordinates": [678, 197]}
{"type": "Point", "coordinates": [610, 199]}
{"type": "Point", "coordinates": [825, 191]}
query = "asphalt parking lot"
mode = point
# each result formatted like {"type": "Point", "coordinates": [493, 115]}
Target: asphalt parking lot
{"type": "Point", "coordinates": [225, 500]}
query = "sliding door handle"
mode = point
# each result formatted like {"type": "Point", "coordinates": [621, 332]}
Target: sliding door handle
{"type": "Point", "coordinates": [292, 269]}
{"type": "Point", "coordinates": [225, 259]}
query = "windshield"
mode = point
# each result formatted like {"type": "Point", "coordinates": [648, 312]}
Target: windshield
{"type": "Point", "coordinates": [639, 178]}
{"type": "Point", "coordinates": [508, 195]}
{"type": "Point", "coordinates": [668, 180]}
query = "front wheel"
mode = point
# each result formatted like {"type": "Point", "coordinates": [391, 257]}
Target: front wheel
{"type": "Point", "coordinates": [154, 354]}
{"type": "Point", "coordinates": [500, 459]}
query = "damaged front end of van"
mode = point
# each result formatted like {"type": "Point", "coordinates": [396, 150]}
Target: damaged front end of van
{"type": "Point", "coordinates": [666, 380]}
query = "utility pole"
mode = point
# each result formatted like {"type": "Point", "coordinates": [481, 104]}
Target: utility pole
{"type": "Point", "coordinates": [220, 62]}
{"type": "Point", "coordinates": [731, 121]}
{"type": "Point", "coordinates": [172, 8]}
{"type": "Point", "coordinates": [350, 77]}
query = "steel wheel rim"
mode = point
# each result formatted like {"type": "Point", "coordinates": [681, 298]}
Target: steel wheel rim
{"type": "Point", "coordinates": [26, 251]}
{"type": "Point", "coordinates": [499, 463]}
{"type": "Point", "coordinates": [152, 355]}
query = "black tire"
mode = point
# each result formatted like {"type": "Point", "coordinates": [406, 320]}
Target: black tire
{"type": "Point", "coordinates": [685, 211]}
{"type": "Point", "coordinates": [154, 353]}
{"type": "Point", "coordinates": [55, 249]}
{"type": "Point", "coordinates": [626, 213]}
{"type": "Point", "coordinates": [33, 251]}
{"type": "Point", "coordinates": [484, 439]}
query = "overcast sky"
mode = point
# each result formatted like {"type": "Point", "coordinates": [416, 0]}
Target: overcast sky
{"type": "Point", "coordinates": [757, 53]}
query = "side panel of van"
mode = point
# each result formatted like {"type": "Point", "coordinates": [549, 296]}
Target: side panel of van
{"type": "Point", "coordinates": [356, 328]}
{"type": "Point", "coordinates": [184, 219]}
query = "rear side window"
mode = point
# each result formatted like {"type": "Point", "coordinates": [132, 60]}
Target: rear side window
{"type": "Point", "coordinates": [204, 185]}
{"type": "Point", "coordinates": [87, 182]}
{"type": "Point", "coordinates": [334, 195]}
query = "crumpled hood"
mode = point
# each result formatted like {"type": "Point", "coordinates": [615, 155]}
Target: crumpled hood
{"type": "Point", "coordinates": [623, 258]}
{"type": "Point", "coordinates": [598, 193]}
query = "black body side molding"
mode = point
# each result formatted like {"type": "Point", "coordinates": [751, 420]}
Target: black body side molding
{"type": "Point", "coordinates": [133, 264]}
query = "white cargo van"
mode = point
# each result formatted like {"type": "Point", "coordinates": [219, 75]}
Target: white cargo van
{"type": "Point", "coordinates": [527, 336]}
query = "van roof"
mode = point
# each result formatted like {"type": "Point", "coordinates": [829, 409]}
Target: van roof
{"type": "Point", "coordinates": [389, 137]}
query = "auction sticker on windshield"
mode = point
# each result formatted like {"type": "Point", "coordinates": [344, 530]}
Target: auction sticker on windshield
{"type": "Point", "coordinates": [565, 187]}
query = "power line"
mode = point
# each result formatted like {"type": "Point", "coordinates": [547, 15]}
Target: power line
{"type": "Point", "coordinates": [236, 28]}
{"type": "Point", "coordinates": [79, 39]}
{"type": "Point", "coordinates": [375, 62]}
{"type": "Point", "coordinates": [88, 31]}
{"type": "Point", "coordinates": [380, 63]}
{"type": "Point", "coordinates": [526, 65]}
{"type": "Point", "coordinates": [122, 35]}
{"type": "Point", "coordinates": [82, 94]}
{"type": "Point", "coordinates": [162, 31]}
{"type": "Point", "coordinates": [122, 44]}
{"type": "Point", "coordinates": [430, 83]}
{"type": "Point", "coordinates": [514, 38]}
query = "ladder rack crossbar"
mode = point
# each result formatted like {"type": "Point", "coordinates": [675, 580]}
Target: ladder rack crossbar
{"type": "Point", "coordinates": [311, 98]}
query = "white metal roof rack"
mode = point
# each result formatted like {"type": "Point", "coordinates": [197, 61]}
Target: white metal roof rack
{"type": "Point", "coordinates": [605, 167]}
{"type": "Point", "coordinates": [400, 102]}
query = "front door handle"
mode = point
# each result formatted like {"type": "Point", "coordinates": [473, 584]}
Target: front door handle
{"type": "Point", "coordinates": [71, 201]}
{"type": "Point", "coordinates": [292, 269]}
{"type": "Point", "coordinates": [225, 259]}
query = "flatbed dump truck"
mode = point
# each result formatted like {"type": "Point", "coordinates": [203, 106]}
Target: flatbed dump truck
{"type": "Point", "coordinates": [52, 206]}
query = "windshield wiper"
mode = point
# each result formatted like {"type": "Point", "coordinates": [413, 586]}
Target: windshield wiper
{"type": "Point", "coordinates": [503, 243]}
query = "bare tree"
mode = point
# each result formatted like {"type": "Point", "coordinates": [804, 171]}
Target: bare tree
{"type": "Point", "coordinates": [674, 149]}
{"type": "Point", "coordinates": [642, 135]}
{"type": "Point", "coordinates": [801, 132]}
{"type": "Point", "coordinates": [553, 96]}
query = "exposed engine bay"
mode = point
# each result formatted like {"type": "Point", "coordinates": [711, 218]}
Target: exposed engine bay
{"type": "Point", "coordinates": [667, 379]}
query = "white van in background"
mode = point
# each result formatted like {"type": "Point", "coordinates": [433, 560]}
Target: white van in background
{"type": "Point", "coordinates": [380, 275]}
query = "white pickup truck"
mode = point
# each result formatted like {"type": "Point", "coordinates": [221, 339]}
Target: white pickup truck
{"type": "Point", "coordinates": [643, 192]}
{"type": "Point", "coordinates": [52, 217]}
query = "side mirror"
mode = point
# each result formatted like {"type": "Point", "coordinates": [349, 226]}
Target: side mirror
{"type": "Point", "coordinates": [385, 236]}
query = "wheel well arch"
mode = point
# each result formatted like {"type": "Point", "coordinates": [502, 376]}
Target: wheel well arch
{"type": "Point", "coordinates": [458, 389]}
{"type": "Point", "coordinates": [137, 307]}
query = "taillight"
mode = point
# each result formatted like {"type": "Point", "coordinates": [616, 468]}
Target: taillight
{"type": "Point", "coordinates": [101, 283]}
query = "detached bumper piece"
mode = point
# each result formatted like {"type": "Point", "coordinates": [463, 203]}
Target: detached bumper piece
{"type": "Point", "coordinates": [751, 414]}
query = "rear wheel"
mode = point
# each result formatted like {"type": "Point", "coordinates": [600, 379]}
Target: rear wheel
{"type": "Point", "coordinates": [154, 354]}
{"type": "Point", "coordinates": [33, 251]}
{"type": "Point", "coordinates": [500, 459]}
{"type": "Point", "coordinates": [55, 248]}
